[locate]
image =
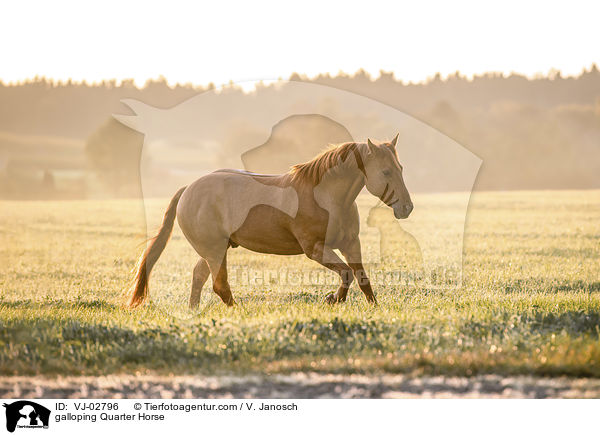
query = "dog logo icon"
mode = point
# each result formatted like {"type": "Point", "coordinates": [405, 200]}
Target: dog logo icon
{"type": "Point", "coordinates": [26, 414]}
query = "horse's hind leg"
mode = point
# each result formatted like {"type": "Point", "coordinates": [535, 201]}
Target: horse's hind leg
{"type": "Point", "coordinates": [200, 275]}
{"type": "Point", "coordinates": [213, 255]}
{"type": "Point", "coordinates": [218, 269]}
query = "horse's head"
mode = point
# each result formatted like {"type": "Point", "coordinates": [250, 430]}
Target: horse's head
{"type": "Point", "coordinates": [384, 180]}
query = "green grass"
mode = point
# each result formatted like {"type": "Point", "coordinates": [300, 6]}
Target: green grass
{"type": "Point", "coordinates": [529, 304]}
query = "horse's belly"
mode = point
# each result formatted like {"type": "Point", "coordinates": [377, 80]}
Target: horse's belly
{"type": "Point", "coordinates": [266, 230]}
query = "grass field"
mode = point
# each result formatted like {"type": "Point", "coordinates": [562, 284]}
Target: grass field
{"type": "Point", "coordinates": [529, 304]}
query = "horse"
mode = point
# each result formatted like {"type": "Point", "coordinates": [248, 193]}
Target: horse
{"type": "Point", "coordinates": [309, 210]}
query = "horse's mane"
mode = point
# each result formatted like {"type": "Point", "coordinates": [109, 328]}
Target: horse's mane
{"type": "Point", "coordinates": [314, 170]}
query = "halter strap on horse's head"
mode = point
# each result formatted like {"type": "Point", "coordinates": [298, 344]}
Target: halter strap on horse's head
{"type": "Point", "coordinates": [359, 161]}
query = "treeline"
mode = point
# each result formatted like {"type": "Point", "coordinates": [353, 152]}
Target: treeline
{"type": "Point", "coordinates": [531, 133]}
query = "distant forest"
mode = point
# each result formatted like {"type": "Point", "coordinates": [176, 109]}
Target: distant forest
{"type": "Point", "coordinates": [59, 141]}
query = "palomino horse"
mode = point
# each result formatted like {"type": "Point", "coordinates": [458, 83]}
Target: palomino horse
{"type": "Point", "coordinates": [309, 210]}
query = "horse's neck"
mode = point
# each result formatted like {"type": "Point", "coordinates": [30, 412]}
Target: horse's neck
{"type": "Point", "coordinates": [344, 187]}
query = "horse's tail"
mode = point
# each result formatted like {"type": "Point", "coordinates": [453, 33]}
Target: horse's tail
{"type": "Point", "coordinates": [139, 292]}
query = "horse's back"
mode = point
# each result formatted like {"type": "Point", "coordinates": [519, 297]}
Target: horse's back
{"type": "Point", "coordinates": [220, 201]}
{"type": "Point", "coordinates": [246, 173]}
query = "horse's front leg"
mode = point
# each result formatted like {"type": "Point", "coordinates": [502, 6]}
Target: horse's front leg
{"type": "Point", "coordinates": [326, 256]}
{"type": "Point", "coordinates": [352, 254]}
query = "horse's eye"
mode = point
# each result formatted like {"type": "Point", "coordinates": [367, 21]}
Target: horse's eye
{"type": "Point", "coordinates": [387, 172]}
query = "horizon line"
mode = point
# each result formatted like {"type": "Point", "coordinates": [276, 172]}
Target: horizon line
{"type": "Point", "coordinates": [552, 74]}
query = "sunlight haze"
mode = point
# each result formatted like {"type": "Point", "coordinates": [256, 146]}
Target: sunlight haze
{"type": "Point", "coordinates": [237, 41]}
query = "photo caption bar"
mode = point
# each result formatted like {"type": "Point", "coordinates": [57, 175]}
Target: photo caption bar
{"type": "Point", "coordinates": [265, 416]}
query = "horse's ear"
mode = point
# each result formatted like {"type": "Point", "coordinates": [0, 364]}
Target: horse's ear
{"type": "Point", "coordinates": [394, 141]}
{"type": "Point", "coordinates": [372, 146]}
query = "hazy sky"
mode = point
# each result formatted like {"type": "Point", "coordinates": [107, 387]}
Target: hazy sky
{"type": "Point", "coordinates": [222, 41]}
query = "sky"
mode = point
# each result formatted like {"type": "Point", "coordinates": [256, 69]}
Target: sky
{"type": "Point", "coordinates": [225, 41]}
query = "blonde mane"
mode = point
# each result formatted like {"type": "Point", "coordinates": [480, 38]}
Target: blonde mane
{"type": "Point", "coordinates": [313, 171]}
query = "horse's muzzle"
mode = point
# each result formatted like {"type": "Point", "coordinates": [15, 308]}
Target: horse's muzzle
{"type": "Point", "coordinates": [402, 211]}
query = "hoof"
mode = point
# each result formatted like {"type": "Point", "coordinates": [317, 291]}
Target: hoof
{"type": "Point", "coordinates": [332, 299]}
